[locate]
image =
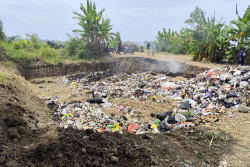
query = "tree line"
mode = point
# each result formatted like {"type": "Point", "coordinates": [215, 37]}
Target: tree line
{"type": "Point", "coordinates": [206, 36]}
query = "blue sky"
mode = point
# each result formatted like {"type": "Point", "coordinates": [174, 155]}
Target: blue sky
{"type": "Point", "coordinates": [136, 20]}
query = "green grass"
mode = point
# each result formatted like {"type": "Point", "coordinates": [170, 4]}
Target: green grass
{"type": "Point", "coordinates": [22, 53]}
{"type": "Point", "coordinates": [7, 80]}
{"type": "Point", "coordinates": [2, 78]}
{"type": "Point", "coordinates": [49, 55]}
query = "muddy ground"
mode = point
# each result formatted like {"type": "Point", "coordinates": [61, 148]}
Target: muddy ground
{"type": "Point", "coordinates": [30, 137]}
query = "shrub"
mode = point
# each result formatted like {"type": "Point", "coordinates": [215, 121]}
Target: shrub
{"type": "Point", "coordinates": [86, 54]}
{"type": "Point", "coordinates": [75, 46]}
{"type": "Point", "coordinates": [49, 55]}
{"type": "Point", "coordinates": [34, 41]}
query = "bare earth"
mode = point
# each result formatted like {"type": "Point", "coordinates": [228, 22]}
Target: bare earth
{"type": "Point", "coordinates": [170, 57]}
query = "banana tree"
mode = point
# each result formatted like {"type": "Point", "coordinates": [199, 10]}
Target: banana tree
{"type": "Point", "coordinates": [95, 28]}
{"type": "Point", "coordinates": [240, 31]}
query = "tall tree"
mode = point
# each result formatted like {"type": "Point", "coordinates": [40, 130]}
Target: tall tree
{"type": "Point", "coordinates": [2, 34]}
{"type": "Point", "coordinates": [95, 28]}
{"type": "Point", "coordinates": [205, 33]}
{"type": "Point", "coordinates": [241, 29]}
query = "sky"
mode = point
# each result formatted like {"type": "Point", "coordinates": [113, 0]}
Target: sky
{"type": "Point", "coordinates": [136, 20]}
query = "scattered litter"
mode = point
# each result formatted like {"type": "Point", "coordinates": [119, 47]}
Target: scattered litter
{"type": "Point", "coordinates": [204, 98]}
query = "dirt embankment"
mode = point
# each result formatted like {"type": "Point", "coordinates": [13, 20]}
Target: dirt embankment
{"type": "Point", "coordinates": [117, 65]}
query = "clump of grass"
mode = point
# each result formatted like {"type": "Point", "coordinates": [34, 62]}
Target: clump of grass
{"type": "Point", "coordinates": [49, 55]}
{"type": "Point", "coordinates": [2, 78]}
{"type": "Point", "coordinates": [7, 81]}
{"type": "Point", "coordinates": [200, 156]}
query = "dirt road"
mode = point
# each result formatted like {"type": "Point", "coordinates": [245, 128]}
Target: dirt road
{"type": "Point", "coordinates": [171, 57]}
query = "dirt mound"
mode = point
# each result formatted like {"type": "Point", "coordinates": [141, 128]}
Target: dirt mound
{"type": "Point", "coordinates": [23, 119]}
{"type": "Point", "coordinates": [86, 148]}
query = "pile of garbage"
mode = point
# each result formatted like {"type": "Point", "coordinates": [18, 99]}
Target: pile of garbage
{"type": "Point", "coordinates": [211, 94]}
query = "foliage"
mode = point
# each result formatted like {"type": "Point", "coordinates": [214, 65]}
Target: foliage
{"type": "Point", "coordinates": [75, 47]}
{"type": "Point", "coordinates": [205, 37]}
{"type": "Point", "coordinates": [49, 55]}
{"type": "Point", "coordinates": [241, 29]}
{"type": "Point", "coordinates": [22, 52]}
{"type": "Point", "coordinates": [115, 40]}
{"type": "Point", "coordinates": [95, 28]}
{"type": "Point", "coordinates": [34, 41]}
{"type": "Point", "coordinates": [2, 35]}
{"type": "Point", "coordinates": [20, 44]}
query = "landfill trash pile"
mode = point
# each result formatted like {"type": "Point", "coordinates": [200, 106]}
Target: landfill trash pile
{"type": "Point", "coordinates": [204, 98]}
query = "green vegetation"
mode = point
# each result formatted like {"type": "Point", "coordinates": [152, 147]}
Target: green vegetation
{"type": "Point", "coordinates": [10, 81]}
{"type": "Point", "coordinates": [2, 35]}
{"type": "Point", "coordinates": [187, 114]}
{"type": "Point", "coordinates": [76, 49]}
{"type": "Point", "coordinates": [88, 44]}
{"type": "Point", "coordinates": [22, 51]}
{"type": "Point", "coordinates": [206, 36]}
{"type": "Point", "coordinates": [95, 28]}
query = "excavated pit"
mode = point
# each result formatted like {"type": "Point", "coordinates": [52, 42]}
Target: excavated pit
{"type": "Point", "coordinates": [119, 65]}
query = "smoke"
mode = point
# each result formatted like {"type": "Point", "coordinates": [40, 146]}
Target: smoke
{"type": "Point", "coordinates": [175, 67]}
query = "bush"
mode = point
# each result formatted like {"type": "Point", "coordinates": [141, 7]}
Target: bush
{"type": "Point", "coordinates": [16, 45]}
{"type": "Point", "coordinates": [49, 55]}
{"type": "Point", "coordinates": [34, 41]}
{"type": "Point", "coordinates": [75, 47]}
{"type": "Point", "coordinates": [86, 54]}
{"type": "Point", "coordinates": [20, 44]}
{"type": "Point", "coordinates": [17, 56]}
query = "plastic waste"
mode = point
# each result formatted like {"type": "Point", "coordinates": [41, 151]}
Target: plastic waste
{"type": "Point", "coordinates": [154, 128]}
{"type": "Point", "coordinates": [132, 128]}
{"type": "Point", "coordinates": [95, 100]}
{"type": "Point", "coordinates": [116, 127]}
{"type": "Point", "coordinates": [230, 94]}
{"type": "Point", "coordinates": [157, 121]}
{"type": "Point", "coordinates": [171, 120]}
{"type": "Point", "coordinates": [162, 127]}
{"type": "Point", "coordinates": [73, 84]}
{"type": "Point", "coordinates": [244, 84]}
{"type": "Point", "coordinates": [185, 106]}
{"type": "Point", "coordinates": [162, 116]}
{"type": "Point", "coordinates": [204, 105]}
{"type": "Point", "coordinates": [180, 118]}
